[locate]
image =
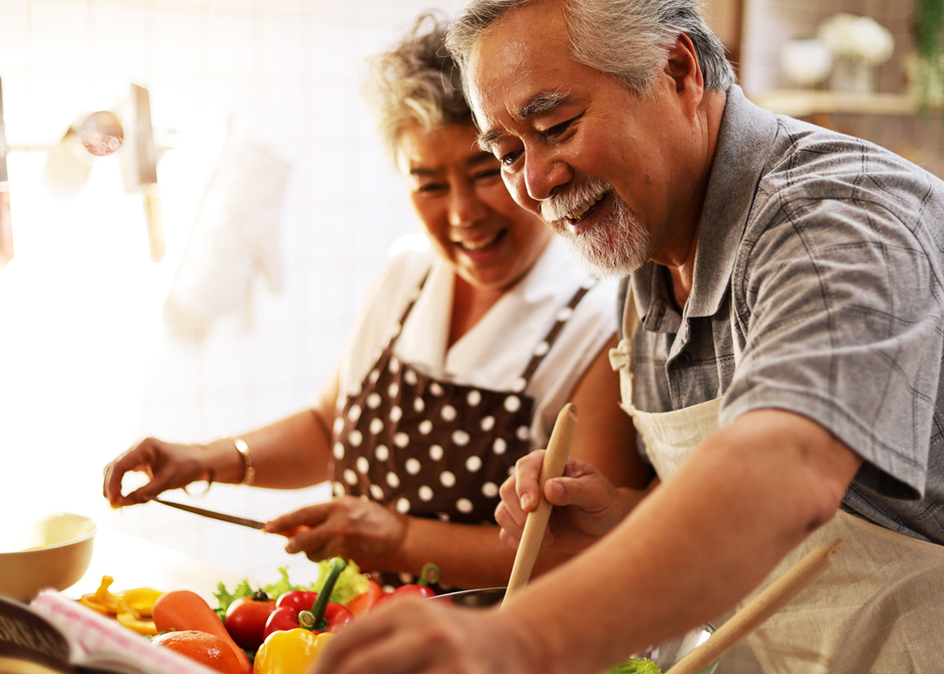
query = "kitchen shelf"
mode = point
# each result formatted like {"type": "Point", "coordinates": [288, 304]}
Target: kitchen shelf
{"type": "Point", "coordinates": [797, 103]}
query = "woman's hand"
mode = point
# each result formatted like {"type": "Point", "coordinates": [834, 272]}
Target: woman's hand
{"type": "Point", "coordinates": [346, 527]}
{"type": "Point", "coordinates": [168, 465]}
{"type": "Point", "coordinates": [413, 636]}
{"type": "Point", "coordinates": [587, 504]}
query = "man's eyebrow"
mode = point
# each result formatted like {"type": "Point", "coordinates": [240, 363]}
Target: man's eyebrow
{"type": "Point", "coordinates": [487, 138]}
{"type": "Point", "coordinates": [540, 104]}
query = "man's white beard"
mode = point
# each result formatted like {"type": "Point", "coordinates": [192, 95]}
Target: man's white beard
{"type": "Point", "coordinates": [614, 247]}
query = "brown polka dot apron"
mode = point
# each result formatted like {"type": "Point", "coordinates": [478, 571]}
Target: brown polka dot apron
{"type": "Point", "coordinates": [431, 448]}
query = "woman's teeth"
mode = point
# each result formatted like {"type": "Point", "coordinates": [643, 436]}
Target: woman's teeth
{"type": "Point", "coordinates": [581, 210]}
{"type": "Point", "coordinates": [478, 244]}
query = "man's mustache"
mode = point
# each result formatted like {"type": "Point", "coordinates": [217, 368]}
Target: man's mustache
{"type": "Point", "coordinates": [560, 205]}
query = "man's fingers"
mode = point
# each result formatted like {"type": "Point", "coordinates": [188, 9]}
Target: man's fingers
{"type": "Point", "coordinates": [527, 476]}
{"type": "Point", "coordinates": [511, 502]}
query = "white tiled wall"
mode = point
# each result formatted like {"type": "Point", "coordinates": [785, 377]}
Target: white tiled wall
{"type": "Point", "coordinates": [87, 363]}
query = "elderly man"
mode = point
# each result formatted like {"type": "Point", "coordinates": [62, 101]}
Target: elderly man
{"type": "Point", "coordinates": [781, 358]}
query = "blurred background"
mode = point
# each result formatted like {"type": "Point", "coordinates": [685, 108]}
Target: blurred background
{"type": "Point", "coordinates": [201, 280]}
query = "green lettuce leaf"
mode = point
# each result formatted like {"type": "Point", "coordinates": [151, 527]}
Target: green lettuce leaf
{"type": "Point", "coordinates": [636, 666]}
{"type": "Point", "coordinates": [224, 597]}
{"type": "Point", "coordinates": [351, 582]}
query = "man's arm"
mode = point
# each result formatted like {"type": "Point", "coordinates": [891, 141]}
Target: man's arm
{"type": "Point", "coordinates": [697, 545]}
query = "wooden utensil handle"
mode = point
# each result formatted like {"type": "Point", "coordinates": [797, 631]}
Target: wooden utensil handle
{"type": "Point", "coordinates": [558, 449]}
{"type": "Point", "coordinates": [155, 223]}
{"type": "Point", "coordinates": [759, 609]}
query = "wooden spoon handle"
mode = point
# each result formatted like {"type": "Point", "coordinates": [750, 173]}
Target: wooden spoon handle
{"type": "Point", "coordinates": [558, 449]}
{"type": "Point", "coordinates": [759, 609]}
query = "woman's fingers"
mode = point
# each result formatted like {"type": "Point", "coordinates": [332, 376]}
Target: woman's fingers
{"type": "Point", "coordinates": [139, 458]}
{"type": "Point", "coordinates": [310, 516]}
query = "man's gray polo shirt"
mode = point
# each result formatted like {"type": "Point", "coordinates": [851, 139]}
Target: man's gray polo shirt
{"type": "Point", "coordinates": [832, 250]}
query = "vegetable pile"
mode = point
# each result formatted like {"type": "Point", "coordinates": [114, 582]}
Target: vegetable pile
{"type": "Point", "coordinates": [279, 628]}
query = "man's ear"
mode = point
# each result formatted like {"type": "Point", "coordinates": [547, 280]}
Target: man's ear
{"type": "Point", "coordinates": [683, 67]}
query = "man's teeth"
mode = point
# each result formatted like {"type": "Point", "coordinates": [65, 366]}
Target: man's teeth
{"type": "Point", "coordinates": [579, 213]}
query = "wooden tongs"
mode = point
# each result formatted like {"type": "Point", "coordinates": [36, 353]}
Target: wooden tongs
{"type": "Point", "coordinates": [774, 597]}
{"type": "Point", "coordinates": [558, 449]}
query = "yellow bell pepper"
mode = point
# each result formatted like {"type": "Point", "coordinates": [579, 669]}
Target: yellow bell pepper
{"type": "Point", "coordinates": [289, 651]}
{"type": "Point", "coordinates": [139, 601]}
{"type": "Point", "coordinates": [102, 600]}
{"type": "Point", "coordinates": [131, 608]}
{"type": "Point", "coordinates": [146, 627]}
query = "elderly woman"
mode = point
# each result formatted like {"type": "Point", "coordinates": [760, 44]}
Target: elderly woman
{"type": "Point", "coordinates": [465, 351]}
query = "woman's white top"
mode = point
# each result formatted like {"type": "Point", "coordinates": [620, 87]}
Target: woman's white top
{"type": "Point", "coordinates": [495, 352]}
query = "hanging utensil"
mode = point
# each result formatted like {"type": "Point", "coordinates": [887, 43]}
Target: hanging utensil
{"type": "Point", "coordinates": [6, 224]}
{"type": "Point", "coordinates": [140, 166]}
{"type": "Point", "coordinates": [759, 609]}
{"type": "Point", "coordinates": [555, 458]}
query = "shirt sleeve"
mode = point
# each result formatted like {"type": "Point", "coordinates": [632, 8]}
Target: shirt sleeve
{"type": "Point", "coordinates": [839, 297]}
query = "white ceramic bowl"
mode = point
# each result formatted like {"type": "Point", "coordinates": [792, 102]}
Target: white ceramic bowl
{"type": "Point", "coordinates": [664, 655]}
{"type": "Point", "coordinates": [49, 552]}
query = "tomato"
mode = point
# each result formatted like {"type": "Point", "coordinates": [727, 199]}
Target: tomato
{"type": "Point", "coordinates": [362, 603]}
{"type": "Point", "coordinates": [246, 619]}
{"type": "Point", "coordinates": [421, 591]}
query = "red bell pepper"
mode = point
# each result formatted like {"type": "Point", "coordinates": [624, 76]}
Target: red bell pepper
{"type": "Point", "coordinates": [421, 588]}
{"type": "Point", "coordinates": [311, 610]}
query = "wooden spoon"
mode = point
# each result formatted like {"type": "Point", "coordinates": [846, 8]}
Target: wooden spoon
{"type": "Point", "coordinates": [558, 448]}
{"type": "Point", "coordinates": [760, 608]}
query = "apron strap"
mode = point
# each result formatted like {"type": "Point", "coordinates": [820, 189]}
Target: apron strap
{"type": "Point", "coordinates": [544, 346]}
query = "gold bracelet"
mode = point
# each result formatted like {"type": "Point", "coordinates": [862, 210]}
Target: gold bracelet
{"type": "Point", "coordinates": [249, 473]}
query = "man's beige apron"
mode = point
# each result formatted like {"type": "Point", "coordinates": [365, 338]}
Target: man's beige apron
{"type": "Point", "coordinates": [878, 609]}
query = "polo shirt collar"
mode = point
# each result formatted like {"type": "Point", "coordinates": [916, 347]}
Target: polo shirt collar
{"type": "Point", "coordinates": [744, 141]}
{"type": "Point", "coordinates": [745, 137]}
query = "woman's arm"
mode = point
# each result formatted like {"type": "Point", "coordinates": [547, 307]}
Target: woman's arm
{"type": "Point", "coordinates": [293, 452]}
{"type": "Point", "coordinates": [380, 539]}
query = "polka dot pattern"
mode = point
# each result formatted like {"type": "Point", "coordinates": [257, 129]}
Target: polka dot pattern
{"type": "Point", "coordinates": [432, 448]}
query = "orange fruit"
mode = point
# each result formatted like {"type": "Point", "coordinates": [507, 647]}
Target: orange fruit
{"type": "Point", "coordinates": [207, 649]}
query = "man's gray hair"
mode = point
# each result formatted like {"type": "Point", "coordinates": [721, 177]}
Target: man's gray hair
{"type": "Point", "coordinates": [628, 39]}
{"type": "Point", "coordinates": [416, 82]}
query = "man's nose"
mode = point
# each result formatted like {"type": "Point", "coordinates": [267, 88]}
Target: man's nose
{"type": "Point", "coordinates": [543, 172]}
{"type": "Point", "coordinates": [465, 207]}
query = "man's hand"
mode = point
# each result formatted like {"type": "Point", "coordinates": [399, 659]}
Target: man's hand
{"type": "Point", "coordinates": [588, 504]}
{"type": "Point", "coordinates": [346, 527]}
{"type": "Point", "coordinates": [412, 636]}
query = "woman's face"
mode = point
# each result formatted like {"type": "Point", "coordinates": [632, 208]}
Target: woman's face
{"type": "Point", "coordinates": [469, 216]}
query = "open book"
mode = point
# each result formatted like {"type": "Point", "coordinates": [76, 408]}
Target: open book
{"type": "Point", "coordinates": [57, 635]}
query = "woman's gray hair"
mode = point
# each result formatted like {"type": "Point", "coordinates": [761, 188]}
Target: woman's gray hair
{"type": "Point", "coordinates": [416, 82]}
{"type": "Point", "coordinates": [628, 39]}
